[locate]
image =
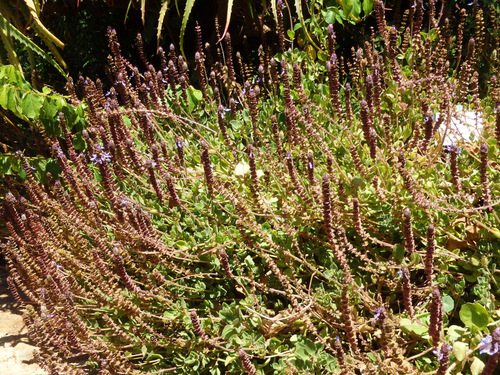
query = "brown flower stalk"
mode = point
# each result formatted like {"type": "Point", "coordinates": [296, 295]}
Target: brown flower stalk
{"type": "Point", "coordinates": [408, 231]}
{"type": "Point", "coordinates": [407, 298]}
{"type": "Point", "coordinates": [436, 318]}
{"type": "Point", "coordinates": [333, 80]}
{"type": "Point", "coordinates": [295, 180]}
{"type": "Point", "coordinates": [347, 318]}
{"type": "Point", "coordinates": [225, 263]}
{"type": "Point", "coordinates": [229, 59]}
{"type": "Point", "coordinates": [281, 29]}
{"type": "Point", "coordinates": [483, 170]}
{"type": "Point", "coordinates": [429, 255]}
{"type": "Point", "coordinates": [179, 148]}
{"type": "Point", "coordinates": [247, 363]}
{"type": "Point", "coordinates": [497, 123]}
{"type": "Point", "coordinates": [444, 352]}
{"type": "Point", "coordinates": [254, 186]}
{"type": "Point", "coordinates": [197, 326]}
{"type": "Point", "coordinates": [207, 167]}
{"type": "Point", "coordinates": [331, 39]}
{"type": "Point", "coordinates": [340, 355]}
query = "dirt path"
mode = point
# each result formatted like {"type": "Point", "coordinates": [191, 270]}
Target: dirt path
{"type": "Point", "coordinates": [16, 350]}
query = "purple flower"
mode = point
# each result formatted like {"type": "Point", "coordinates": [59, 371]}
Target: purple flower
{"type": "Point", "coordinates": [223, 111]}
{"type": "Point", "coordinates": [379, 312]}
{"type": "Point", "coordinates": [488, 347]}
{"type": "Point", "coordinates": [105, 157]}
{"type": "Point", "coordinates": [439, 353]}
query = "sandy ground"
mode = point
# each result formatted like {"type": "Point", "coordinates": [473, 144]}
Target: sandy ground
{"type": "Point", "coordinates": [16, 350]}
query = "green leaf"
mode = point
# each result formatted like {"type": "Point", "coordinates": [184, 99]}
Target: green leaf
{"type": "Point", "coordinates": [194, 97]}
{"type": "Point", "coordinates": [161, 17]}
{"type": "Point", "coordinates": [322, 56]}
{"type": "Point", "coordinates": [27, 43]}
{"type": "Point", "coordinates": [359, 182]}
{"type": "Point", "coordinates": [473, 315]}
{"type": "Point", "coordinates": [241, 169]}
{"type": "Point", "coordinates": [399, 252]}
{"type": "Point", "coordinates": [30, 105]}
{"type": "Point", "coordinates": [476, 366]}
{"type": "Point", "coordinates": [367, 7]}
{"type": "Point", "coordinates": [456, 331]}
{"type": "Point", "coordinates": [228, 17]}
{"type": "Point", "coordinates": [9, 74]}
{"type": "Point", "coordinates": [185, 18]}
{"type": "Point", "coordinates": [460, 350]}
{"type": "Point", "coordinates": [356, 10]}
{"type": "Point", "coordinates": [250, 263]}
{"type": "Point", "coordinates": [228, 332]}
{"type": "Point", "coordinates": [298, 8]}
{"type": "Point", "coordinates": [10, 98]}
{"type": "Point", "coordinates": [412, 327]}
{"type": "Point", "coordinates": [448, 303]}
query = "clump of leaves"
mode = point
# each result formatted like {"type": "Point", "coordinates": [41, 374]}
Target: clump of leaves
{"type": "Point", "coordinates": [299, 217]}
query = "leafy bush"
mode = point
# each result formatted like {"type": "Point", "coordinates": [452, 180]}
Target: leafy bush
{"type": "Point", "coordinates": [299, 217]}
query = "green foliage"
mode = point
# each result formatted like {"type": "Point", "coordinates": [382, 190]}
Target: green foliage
{"type": "Point", "coordinates": [9, 18]}
{"type": "Point", "coordinates": [278, 223]}
{"type": "Point", "coordinates": [39, 109]}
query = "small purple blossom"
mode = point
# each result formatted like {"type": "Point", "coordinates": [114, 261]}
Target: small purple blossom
{"type": "Point", "coordinates": [379, 312]}
{"type": "Point", "coordinates": [223, 112]}
{"type": "Point", "coordinates": [105, 157]}
{"type": "Point", "coordinates": [452, 148]}
{"type": "Point", "coordinates": [487, 346]}
{"type": "Point", "coordinates": [439, 352]}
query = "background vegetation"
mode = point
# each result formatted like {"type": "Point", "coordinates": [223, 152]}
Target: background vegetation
{"type": "Point", "coordinates": [286, 198]}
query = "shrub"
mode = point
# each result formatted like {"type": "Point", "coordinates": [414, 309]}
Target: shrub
{"type": "Point", "coordinates": [298, 217]}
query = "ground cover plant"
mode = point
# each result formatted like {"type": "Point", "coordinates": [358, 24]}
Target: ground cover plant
{"type": "Point", "coordinates": [266, 214]}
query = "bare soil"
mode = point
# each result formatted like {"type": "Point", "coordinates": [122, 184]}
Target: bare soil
{"type": "Point", "coordinates": [16, 350]}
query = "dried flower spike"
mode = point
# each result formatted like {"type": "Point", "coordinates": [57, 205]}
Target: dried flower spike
{"type": "Point", "coordinates": [443, 355]}
{"type": "Point", "coordinates": [436, 318]}
{"type": "Point", "coordinates": [429, 255]}
{"type": "Point", "coordinates": [407, 294]}
{"type": "Point", "coordinates": [207, 167]}
{"type": "Point", "coordinates": [247, 363]}
{"type": "Point", "coordinates": [197, 326]}
{"type": "Point", "coordinates": [408, 231]}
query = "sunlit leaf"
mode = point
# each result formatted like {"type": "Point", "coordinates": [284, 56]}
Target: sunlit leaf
{"type": "Point", "coordinates": [185, 18]}
{"type": "Point", "coordinates": [27, 43]}
{"type": "Point", "coordinates": [31, 104]}
{"type": "Point", "coordinates": [228, 17]}
{"type": "Point", "coordinates": [473, 315]}
{"type": "Point", "coordinates": [161, 17]}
